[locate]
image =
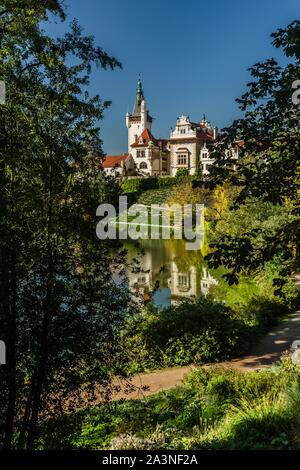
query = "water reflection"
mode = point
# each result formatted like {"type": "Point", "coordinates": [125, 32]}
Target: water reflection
{"type": "Point", "coordinates": [166, 272]}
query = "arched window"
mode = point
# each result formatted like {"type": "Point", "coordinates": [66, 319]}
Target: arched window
{"type": "Point", "coordinates": [143, 166]}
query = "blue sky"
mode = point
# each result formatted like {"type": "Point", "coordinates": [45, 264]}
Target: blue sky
{"type": "Point", "coordinates": [192, 56]}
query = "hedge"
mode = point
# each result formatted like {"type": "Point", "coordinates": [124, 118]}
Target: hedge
{"type": "Point", "coordinates": [137, 185]}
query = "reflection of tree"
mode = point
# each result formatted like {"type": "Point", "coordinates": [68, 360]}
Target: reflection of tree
{"type": "Point", "coordinates": [185, 259]}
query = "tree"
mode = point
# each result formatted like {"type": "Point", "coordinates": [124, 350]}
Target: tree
{"type": "Point", "coordinates": [182, 173]}
{"type": "Point", "coordinates": [60, 309]}
{"type": "Point", "coordinates": [18, 24]}
{"type": "Point", "coordinates": [223, 196]}
{"type": "Point", "coordinates": [268, 167]}
{"type": "Point", "coordinates": [185, 193]}
{"type": "Point", "coordinates": [199, 170]}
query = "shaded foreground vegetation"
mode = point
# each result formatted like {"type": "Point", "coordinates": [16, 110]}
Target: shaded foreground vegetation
{"type": "Point", "coordinates": [214, 409]}
{"type": "Point", "coordinates": [204, 330]}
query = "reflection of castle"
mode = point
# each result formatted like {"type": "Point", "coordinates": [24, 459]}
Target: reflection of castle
{"type": "Point", "coordinates": [183, 284]}
{"type": "Point", "coordinates": [207, 281]}
{"type": "Point", "coordinates": [140, 278]}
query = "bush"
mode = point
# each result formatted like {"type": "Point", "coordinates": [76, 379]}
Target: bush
{"type": "Point", "coordinates": [203, 331]}
{"type": "Point", "coordinates": [166, 182]}
{"type": "Point", "coordinates": [138, 185]}
{"type": "Point", "coordinates": [182, 173]}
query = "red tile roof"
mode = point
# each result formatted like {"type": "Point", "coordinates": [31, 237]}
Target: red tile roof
{"type": "Point", "coordinates": [204, 137]}
{"type": "Point", "coordinates": [239, 143]}
{"type": "Point", "coordinates": [110, 161]}
{"type": "Point", "coordinates": [146, 136]}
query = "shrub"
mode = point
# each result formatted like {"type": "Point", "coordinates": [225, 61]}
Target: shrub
{"type": "Point", "coordinates": [203, 331]}
{"type": "Point", "coordinates": [166, 182]}
{"type": "Point", "coordinates": [132, 185]}
{"type": "Point", "coordinates": [182, 173]}
{"type": "Point", "coordinates": [138, 185]}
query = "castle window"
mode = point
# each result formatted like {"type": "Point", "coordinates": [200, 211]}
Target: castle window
{"type": "Point", "coordinates": [182, 280]}
{"type": "Point", "coordinates": [140, 153]}
{"type": "Point", "coordinates": [204, 155]}
{"type": "Point", "coordinates": [182, 159]}
{"type": "Point", "coordinates": [143, 166]}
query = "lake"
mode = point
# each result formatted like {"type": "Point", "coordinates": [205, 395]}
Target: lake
{"type": "Point", "coordinates": [164, 272]}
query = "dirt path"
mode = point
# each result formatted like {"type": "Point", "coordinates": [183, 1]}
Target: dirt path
{"type": "Point", "coordinates": [264, 354]}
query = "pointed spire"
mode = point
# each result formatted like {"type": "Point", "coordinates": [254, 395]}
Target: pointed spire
{"type": "Point", "coordinates": [139, 85]}
{"type": "Point", "coordinates": [139, 97]}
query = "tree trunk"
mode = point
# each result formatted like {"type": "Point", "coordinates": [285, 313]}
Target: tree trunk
{"type": "Point", "coordinates": [11, 333]}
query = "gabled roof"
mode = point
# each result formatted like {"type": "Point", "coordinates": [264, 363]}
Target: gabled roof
{"type": "Point", "coordinates": [204, 134]}
{"type": "Point", "coordinates": [146, 137]}
{"type": "Point", "coordinates": [112, 161]}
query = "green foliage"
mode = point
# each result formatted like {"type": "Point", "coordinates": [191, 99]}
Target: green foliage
{"type": "Point", "coordinates": [154, 196]}
{"type": "Point", "coordinates": [243, 239]}
{"type": "Point", "coordinates": [206, 330]}
{"type": "Point", "coordinates": [215, 409]}
{"type": "Point", "coordinates": [166, 182]}
{"type": "Point", "coordinates": [182, 173]}
{"type": "Point", "coordinates": [132, 185]}
{"type": "Point", "coordinates": [199, 170]}
{"type": "Point", "coordinates": [138, 185]}
{"type": "Point", "coordinates": [203, 331]}
{"type": "Point", "coordinates": [268, 165]}
{"type": "Point", "coordinates": [256, 292]}
{"type": "Point", "coordinates": [59, 309]}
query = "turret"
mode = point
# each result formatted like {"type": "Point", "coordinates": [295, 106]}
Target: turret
{"type": "Point", "coordinates": [140, 119]}
{"type": "Point", "coordinates": [143, 115]}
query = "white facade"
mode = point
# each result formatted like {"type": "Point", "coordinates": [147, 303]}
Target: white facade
{"type": "Point", "coordinates": [113, 171]}
{"type": "Point", "coordinates": [183, 146]}
{"type": "Point", "coordinates": [188, 145]}
{"type": "Point", "coordinates": [136, 124]}
{"type": "Point", "coordinates": [149, 159]}
{"type": "Point", "coordinates": [205, 159]}
{"type": "Point", "coordinates": [147, 152]}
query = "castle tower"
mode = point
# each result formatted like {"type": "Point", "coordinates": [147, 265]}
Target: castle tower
{"type": "Point", "coordinates": [140, 119]}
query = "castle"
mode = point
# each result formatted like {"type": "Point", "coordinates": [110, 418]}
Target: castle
{"type": "Point", "coordinates": [187, 147]}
